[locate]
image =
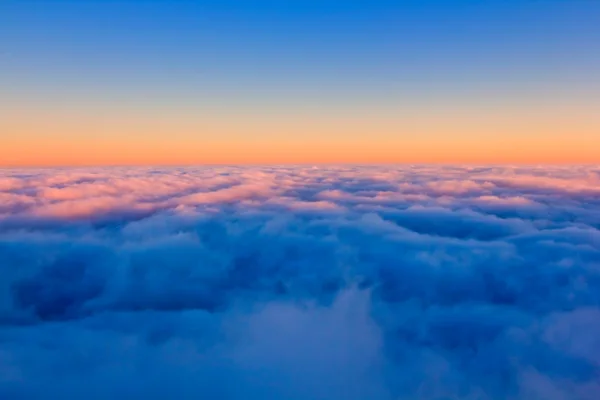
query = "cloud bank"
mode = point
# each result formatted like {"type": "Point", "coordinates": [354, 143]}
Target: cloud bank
{"type": "Point", "coordinates": [415, 282]}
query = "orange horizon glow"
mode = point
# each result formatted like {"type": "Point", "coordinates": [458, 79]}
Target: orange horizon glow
{"type": "Point", "coordinates": [416, 152]}
{"type": "Point", "coordinates": [55, 155]}
{"type": "Point", "coordinates": [462, 134]}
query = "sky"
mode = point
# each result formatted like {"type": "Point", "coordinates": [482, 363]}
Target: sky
{"type": "Point", "coordinates": [259, 82]}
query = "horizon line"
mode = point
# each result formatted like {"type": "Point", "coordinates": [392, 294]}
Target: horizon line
{"type": "Point", "coordinates": [303, 164]}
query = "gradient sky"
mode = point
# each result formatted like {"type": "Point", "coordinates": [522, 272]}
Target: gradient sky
{"type": "Point", "coordinates": [232, 81]}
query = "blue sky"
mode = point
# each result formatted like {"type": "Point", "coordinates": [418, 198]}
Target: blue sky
{"type": "Point", "coordinates": [275, 45]}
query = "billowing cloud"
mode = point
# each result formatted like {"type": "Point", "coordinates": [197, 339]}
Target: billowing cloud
{"type": "Point", "coordinates": [379, 283]}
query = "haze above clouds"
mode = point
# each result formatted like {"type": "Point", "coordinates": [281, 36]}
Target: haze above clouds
{"type": "Point", "coordinates": [428, 282]}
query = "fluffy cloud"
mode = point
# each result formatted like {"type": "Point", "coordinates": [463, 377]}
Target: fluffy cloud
{"type": "Point", "coordinates": [300, 283]}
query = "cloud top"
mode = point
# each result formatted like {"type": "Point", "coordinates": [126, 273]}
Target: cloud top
{"type": "Point", "coordinates": [429, 282]}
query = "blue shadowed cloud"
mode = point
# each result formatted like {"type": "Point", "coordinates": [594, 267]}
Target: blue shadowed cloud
{"type": "Point", "coordinates": [300, 283]}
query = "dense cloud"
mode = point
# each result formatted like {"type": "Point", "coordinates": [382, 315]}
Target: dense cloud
{"type": "Point", "coordinates": [303, 283]}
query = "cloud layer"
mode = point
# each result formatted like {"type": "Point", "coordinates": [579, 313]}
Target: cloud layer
{"type": "Point", "coordinates": [300, 283]}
